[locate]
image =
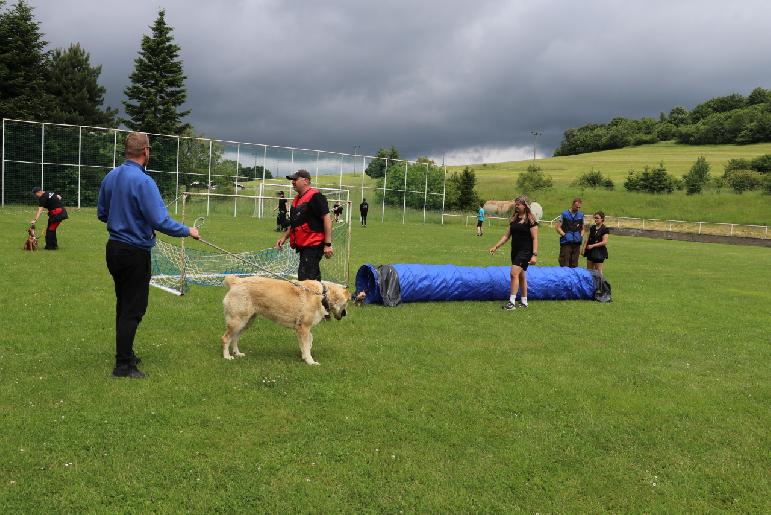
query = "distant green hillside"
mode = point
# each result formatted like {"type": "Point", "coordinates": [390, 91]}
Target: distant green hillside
{"type": "Point", "coordinates": [498, 181]}
{"type": "Point", "coordinates": [718, 121]}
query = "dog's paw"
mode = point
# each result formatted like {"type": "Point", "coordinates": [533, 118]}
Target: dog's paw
{"type": "Point", "coordinates": [311, 362]}
{"type": "Point", "coordinates": [239, 354]}
{"type": "Point", "coordinates": [227, 356]}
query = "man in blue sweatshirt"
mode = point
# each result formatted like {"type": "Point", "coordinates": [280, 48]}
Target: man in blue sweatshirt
{"type": "Point", "coordinates": [131, 206]}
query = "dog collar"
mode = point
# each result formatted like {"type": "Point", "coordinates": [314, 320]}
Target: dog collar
{"type": "Point", "coordinates": [324, 298]}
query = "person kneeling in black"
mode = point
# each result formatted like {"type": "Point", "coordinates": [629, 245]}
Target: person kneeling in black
{"type": "Point", "coordinates": [310, 230]}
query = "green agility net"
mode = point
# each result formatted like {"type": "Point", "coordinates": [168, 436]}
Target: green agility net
{"type": "Point", "coordinates": [179, 263]}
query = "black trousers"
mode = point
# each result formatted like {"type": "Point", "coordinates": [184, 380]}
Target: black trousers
{"type": "Point", "coordinates": [310, 257]}
{"type": "Point", "coordinates": [363, 218]}
{"type": "Point", "coordinates": [51, 243]}
{"type": "Point", "coordinates": [130, 270]}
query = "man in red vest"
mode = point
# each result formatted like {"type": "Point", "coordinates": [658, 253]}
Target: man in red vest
{"type": "Point", "coordinates": [310, 230]}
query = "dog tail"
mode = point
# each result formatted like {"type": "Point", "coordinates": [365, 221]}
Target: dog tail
{"type": "Point", "coordinates": [230, 280]}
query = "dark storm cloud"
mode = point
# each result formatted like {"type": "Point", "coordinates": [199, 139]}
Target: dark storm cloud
{"type": "Point", "coordinates": [470, 79]}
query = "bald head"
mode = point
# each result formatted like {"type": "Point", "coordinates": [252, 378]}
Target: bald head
{"type": "Point", "coordinates": [136, 143]}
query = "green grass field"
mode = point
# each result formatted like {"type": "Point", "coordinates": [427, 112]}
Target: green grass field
{"type": "Point", "coordinates": [657, 402]}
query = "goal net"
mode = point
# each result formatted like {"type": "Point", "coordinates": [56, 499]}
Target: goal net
{"type": "Point", "coordinates": [233, 241]}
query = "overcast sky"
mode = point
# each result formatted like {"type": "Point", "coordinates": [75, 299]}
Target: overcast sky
{"type": "Point", "coordinates": [466, 79]}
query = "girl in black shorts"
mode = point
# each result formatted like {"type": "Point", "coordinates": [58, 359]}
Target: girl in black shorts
{"type": "Point", "coordinates": [523, 231]}
{"type": "Point", "coordinates": [596, 248]}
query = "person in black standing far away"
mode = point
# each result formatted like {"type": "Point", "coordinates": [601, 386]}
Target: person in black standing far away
{"type": "Point", "coordinates": [281, 219]}
{"type": "Point", "coordinates": [363, 210]}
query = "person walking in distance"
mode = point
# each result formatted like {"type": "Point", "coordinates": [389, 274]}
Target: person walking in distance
{"type": "Point", "coordinates": [131, 206]}
{"type": "Point", "coordinates": [570, 228]}
{"type": "Point", "coordinates": [523, 231]}
{"type": "Point", "coordinates": [480, 218]}
{"type": "Point", "coordinates": [310, 229]}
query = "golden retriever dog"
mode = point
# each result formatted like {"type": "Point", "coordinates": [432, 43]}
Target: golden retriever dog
{"type": "Point", "coordinates": [298, 305]}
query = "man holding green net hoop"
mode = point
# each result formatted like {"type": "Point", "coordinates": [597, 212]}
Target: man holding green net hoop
{"type": "Point", "coordinates": [131, 206]}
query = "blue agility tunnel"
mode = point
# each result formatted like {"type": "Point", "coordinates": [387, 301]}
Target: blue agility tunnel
{"type": "Point", "coordinates": [392, 285]}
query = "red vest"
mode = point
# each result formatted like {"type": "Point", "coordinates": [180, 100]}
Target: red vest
{"type": "Point", "coordinates": [302, 234]}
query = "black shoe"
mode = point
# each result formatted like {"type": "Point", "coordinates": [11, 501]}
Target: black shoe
{"type": "Point", "coordinates": [509, 306]}
{"type": "Point", "coordinates": [135, 360]}
{"type": "Point", "coordinates": [130, 371]}
{"type": "Point", "coordinates": [522, 305]}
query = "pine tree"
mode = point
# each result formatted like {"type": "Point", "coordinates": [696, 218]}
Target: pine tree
{"type": "Point", "coordinates": [467, 196]}
{"type": "Point", "coordinates": [23, 64]}
{"type": "Point", "coordinates": [74, 84]}
{"type": "Point", "coordinates": [157, 87]}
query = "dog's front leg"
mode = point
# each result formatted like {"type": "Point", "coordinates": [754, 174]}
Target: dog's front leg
{"type": "Point", "coordinates": [234, 346]}
{"type": "Point", "coordinates": [305, 338]}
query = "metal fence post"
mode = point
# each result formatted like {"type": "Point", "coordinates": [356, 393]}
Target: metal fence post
{"type": "Point", "coordinates": [385, 181]}
{"type": "Point", "coordinates": [404, 198]}
{"type": "Point", "coordinates": [208, 180]}
{"type": "Point", "coordinates": [238, 161]}
{"type": "Point", "coordinates": [2, 193]}
{"type": "Point", "coordinates": [425, 195]}
{"type": "Point", "coordinates": [176, 187]}
{"type": "Point", "coordinates": [444, 189]}
{"type": "Point", "coordinates": [80, 161]}
{"type": "Point", "coordinates": [42, 152]}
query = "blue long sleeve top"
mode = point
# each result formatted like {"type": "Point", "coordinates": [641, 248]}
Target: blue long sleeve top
{"type": "Point", "coordinates": [131, 206]}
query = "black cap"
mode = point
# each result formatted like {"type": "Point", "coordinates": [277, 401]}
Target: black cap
{"type": "Point", "coordinates": [298, 174]}
{"type": "Point", "coordinates": [36, 189]}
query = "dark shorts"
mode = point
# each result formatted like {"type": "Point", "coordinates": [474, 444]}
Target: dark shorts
{"type": "Point", "coordinates": [479, 223]}
{"type": "Point", "coordinates": [310, 258]}
{"type": "Point", "coordinates": [521, 258]}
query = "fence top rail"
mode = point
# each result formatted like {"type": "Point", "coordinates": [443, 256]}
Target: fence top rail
{"type": "Point", "coordinates": [683, 221]}
{"type": "Point", "coordinates": [263, 145]}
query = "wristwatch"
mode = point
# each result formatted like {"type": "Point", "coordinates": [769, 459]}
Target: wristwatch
{"type": "Point", "coordinates": [327, 243]}
{"type": "Point", "coordinates": [535, 253]}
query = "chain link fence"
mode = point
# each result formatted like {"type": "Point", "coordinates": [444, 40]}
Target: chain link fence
{"type": "Point", "coordinates": [73, 160]}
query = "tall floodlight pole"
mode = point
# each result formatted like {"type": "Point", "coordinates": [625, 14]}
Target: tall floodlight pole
{"type": "Point", "coordinates": [535, 136]}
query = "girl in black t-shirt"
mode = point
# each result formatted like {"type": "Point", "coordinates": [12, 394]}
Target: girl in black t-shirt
{"type": "Point", "coordinates": [596, 248]}
{"type": "Point", "coordinates": [523, 231]}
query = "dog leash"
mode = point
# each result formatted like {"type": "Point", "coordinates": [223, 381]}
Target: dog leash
{"type": "Point", "coordinates": [270, 272]}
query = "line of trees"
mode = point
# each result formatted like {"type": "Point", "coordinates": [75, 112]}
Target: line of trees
{"type": "Point", "coordinates": [62, 85]}
{"type": "Point", "coordinates": [727, 119]}
{"type": "Point", "coordinates": [422, 176]}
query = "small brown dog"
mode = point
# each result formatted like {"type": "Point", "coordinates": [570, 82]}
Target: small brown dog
{"type": "Point", "coordinates": [31, 243]}
{"type": "Point", "coordinates": [297, 305]}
